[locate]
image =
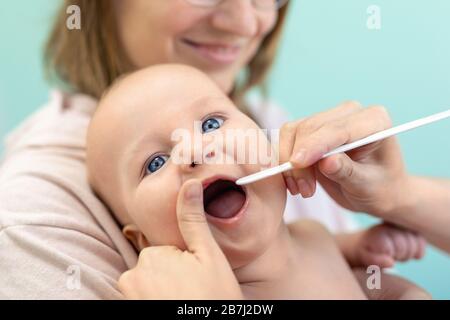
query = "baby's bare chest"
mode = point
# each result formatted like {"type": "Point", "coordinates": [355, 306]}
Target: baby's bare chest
{"type": "Point", "coordinates": [320, 274]}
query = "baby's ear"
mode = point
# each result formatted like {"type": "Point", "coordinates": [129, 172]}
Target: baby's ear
{"type": "Point", "coordinates": [137, 238]}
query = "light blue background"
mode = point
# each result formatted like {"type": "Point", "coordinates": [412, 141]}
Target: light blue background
{"type": "Point", "coordinates": [328, 55]}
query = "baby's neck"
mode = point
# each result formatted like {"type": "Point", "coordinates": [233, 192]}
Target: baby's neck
{"type": "Point", "coordinates": [271, 269]}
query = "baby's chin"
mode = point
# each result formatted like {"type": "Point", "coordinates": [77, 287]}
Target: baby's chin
{"type": "Point", "coordinates": [247, 235]}
{"type": "Point", "coordinates": [243, 247]}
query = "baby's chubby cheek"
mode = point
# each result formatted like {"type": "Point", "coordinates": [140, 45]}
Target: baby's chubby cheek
{"type": "Point", "coordinates": [154, 212]}
{"type": "Point", "coordinates": [270, 196]}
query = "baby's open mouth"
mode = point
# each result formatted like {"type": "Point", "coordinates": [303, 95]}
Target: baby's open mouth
{"type": "Point", "coordinates": [223, 199]}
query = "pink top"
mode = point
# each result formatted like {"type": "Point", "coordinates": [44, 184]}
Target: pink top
{"type": "Point", "coordinates": [57, 240]}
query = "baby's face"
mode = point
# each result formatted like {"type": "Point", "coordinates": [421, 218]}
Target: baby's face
{"type": "Point", "coordinates": [132, 164]}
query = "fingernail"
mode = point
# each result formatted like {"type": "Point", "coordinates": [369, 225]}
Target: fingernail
{"type": "Point", "coordinates": [194, 192]}
{"type": "Point", "coordinates": [292, 186]}
{"type": "Point", "coordinates": [304, 188]}
{"type": "Point", "coordinates": [300, 156]}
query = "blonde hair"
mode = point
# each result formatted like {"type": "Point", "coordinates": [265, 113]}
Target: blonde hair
{"type": "Point", "coordinates": [91, 59]}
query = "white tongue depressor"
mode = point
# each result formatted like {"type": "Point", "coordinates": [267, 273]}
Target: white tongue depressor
{"type": "Point", "coordinates": [350, 146]}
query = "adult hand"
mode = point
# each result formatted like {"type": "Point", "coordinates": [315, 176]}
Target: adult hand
{"type": "Point", "coordinates": [200, 272]}
{"type": "Point", "coordinates": [369, 179]}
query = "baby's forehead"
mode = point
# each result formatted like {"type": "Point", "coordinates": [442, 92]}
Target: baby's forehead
{"type": "Point", "coordinates": [137, 112]}
{"type": "Point", "coordinates": [147, 92]}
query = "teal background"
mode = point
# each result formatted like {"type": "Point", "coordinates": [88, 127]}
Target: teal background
{"type": "Point", "coordinates": [328, 55]}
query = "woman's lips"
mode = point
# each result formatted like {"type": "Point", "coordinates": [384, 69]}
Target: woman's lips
{"type": "Point", "coordinates": [216, 53]}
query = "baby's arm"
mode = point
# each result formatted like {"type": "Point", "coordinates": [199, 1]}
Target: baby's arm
{"type": "Point", "coordinates": [391, 287]}
{"type": "Point", "coordinates": [381, 245]}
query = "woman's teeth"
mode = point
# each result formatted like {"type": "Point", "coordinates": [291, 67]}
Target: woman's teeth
{"type": "Point", "coordinates": [216, 53]}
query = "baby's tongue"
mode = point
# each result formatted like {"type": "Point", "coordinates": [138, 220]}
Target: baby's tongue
{"type": "Point", "coordinates": [226, 205]}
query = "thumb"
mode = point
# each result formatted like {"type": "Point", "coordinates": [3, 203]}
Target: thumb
{"type": "Point", "coordinates": [191, 218]}
{"type": "Point", "coordinates": [343, 170]}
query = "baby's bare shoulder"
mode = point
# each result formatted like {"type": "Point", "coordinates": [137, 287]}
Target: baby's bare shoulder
{"type": "Point", "coordinates": [308, 227]}
{"type": "Point", "coordinates": [311, 232]}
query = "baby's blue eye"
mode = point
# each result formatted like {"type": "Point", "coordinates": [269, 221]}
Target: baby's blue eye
{"type": "Point", "coordinates": [211, 124]}
{"type": "Point", "coordinates": [156, 163]}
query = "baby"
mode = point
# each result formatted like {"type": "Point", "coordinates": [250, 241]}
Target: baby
{"type": "Point", "coordinates": [132, 169]}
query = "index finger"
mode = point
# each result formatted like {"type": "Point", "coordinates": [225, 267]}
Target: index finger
{"type": "Point", "coordinates": [308, 149]}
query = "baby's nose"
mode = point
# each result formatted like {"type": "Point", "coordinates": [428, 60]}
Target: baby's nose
{"type": "Point", "coordinates": [210, 154]}
{"type": "Point", "coordinates": [195, 162]}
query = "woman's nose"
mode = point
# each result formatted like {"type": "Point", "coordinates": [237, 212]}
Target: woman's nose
{"type": "Point", "coordinates": [238, 17]}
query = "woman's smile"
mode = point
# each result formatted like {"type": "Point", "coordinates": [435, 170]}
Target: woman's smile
{"type": "Point", "coordinates": [217, 53]}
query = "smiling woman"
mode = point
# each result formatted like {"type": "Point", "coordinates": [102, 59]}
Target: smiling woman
{"type": "Point", "coordinates": [115, 39]}
{"type": "Point", "coordinates": [52, 222]}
